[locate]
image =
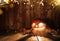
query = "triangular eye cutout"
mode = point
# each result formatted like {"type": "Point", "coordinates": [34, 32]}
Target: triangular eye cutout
{"type": "Point", "coordinates": [33, 24]}
{"type": "Point", "coordinates": [41, 24]}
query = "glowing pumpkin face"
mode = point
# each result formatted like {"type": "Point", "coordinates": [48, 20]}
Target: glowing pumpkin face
{"type": "Point", "coordinates": [37, 25]}
{"type": "Point", "coordinates": [40, 28]}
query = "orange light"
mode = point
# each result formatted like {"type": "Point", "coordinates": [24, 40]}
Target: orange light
{"type": "Point", "coordinates": [33, 24]}
{"type": "Point", "coordinates": [1, 12]}
{"type": "Point", "coordinates": [39, 29]}
{"type": "Point", "coordinates": [6, 1]}
{"type": "Point", "coordinates": [41, 26]}
{"type": "Point", "coordinates": [56, 2]}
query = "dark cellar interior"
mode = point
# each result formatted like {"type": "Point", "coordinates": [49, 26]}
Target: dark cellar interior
{"type": "Point", "coordinates": [18, 15]}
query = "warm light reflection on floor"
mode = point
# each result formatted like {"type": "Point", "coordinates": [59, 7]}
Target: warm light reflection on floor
{"type": "Point", "coordinates": [38, 38]}
{"type": "Point", "coordinates": [12, 37]}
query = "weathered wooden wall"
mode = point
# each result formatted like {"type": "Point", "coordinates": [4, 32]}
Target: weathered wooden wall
{"type": "Point", "coordinates": [22, 14]}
